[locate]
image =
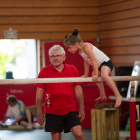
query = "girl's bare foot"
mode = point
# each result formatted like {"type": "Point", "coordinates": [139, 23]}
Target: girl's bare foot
{"type": "Point", "coordinates": [36, 126]}
{"type": "Point", "coordinates": [101, 97]}
{"type": "Point", "coordinates": [118, 101]}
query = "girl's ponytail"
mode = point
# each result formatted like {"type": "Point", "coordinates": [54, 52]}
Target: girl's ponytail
{"type": "Point", "coordinates": [72, 38]}
{"type": "Point", "coordinates": [75, 31]}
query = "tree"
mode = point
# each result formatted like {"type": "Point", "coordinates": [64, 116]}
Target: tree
{"type": "Point", "coordinates": [4, 59]}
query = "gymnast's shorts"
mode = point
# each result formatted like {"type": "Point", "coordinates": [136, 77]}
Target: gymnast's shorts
{"type": "Point", "coordinates": [58, 123]}
{"type": "Point", "coordinates": [25, 119]}
{"type": "Point", "coordinates": [108, 64]}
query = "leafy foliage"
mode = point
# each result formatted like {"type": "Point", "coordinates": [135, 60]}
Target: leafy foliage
{"type": "Point", "coordinates": [4, 59]}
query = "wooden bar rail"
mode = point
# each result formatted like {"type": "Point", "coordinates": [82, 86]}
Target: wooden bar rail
{"type": "Point", "coordinates": [66, 80]}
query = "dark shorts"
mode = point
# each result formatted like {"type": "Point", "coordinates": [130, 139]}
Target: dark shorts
{"type": "Point", "coordinates": [58, 123]}
{"type": "Point", "coordinates": [108, 64]}
{"type": "Point", "coordinates": [25, 119]}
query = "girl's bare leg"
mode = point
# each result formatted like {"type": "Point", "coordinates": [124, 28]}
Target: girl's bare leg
{"type": "Point", "coordinates": [101, 90]}
{"type": "Point", "coordinates": [28, 115]}
{"type": "Point", "coordinates": [105, 76]}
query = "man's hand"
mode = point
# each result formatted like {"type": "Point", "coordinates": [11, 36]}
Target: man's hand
{"type": "Point", "coordinates": [82, 115]}
{"type": "Point", "coordinates": [40, 118]}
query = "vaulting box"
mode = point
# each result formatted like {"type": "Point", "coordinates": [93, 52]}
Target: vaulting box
{"type": "Point", "coordinates": [105, 124]}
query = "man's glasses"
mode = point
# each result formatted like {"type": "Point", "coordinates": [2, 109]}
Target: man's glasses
{"type": "Point", "coordinates": [55, 56]}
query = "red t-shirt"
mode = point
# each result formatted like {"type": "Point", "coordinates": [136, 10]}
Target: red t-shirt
{"type": "Point", "coordinates": [59, 97]}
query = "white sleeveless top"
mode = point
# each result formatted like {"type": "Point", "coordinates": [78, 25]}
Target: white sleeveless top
{"type": "Point", "coordinates": [99, 55]}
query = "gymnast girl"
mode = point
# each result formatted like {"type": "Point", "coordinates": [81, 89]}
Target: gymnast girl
{"type": "Point", "coordinates": [102, 65]}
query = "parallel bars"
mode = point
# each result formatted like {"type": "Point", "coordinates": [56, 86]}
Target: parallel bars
{"type": "Point", "coordinates": [132, 101]}
{"type": "Point", "coordinates": [66, 80]}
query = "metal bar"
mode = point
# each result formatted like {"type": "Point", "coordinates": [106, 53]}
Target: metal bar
{"type": "Point", "coordinates": [132, 112]}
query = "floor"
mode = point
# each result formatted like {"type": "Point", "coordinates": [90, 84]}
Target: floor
{"type": "Point", "coordinates": [39, 134]}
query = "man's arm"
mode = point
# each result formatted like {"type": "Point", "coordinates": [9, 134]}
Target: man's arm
{"type": "Point", "coordinates": [80, 99]}
{"type": "Point", "coordinates": [5, 118]}
{"type": "Point", "coordinates": [39, 98]}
